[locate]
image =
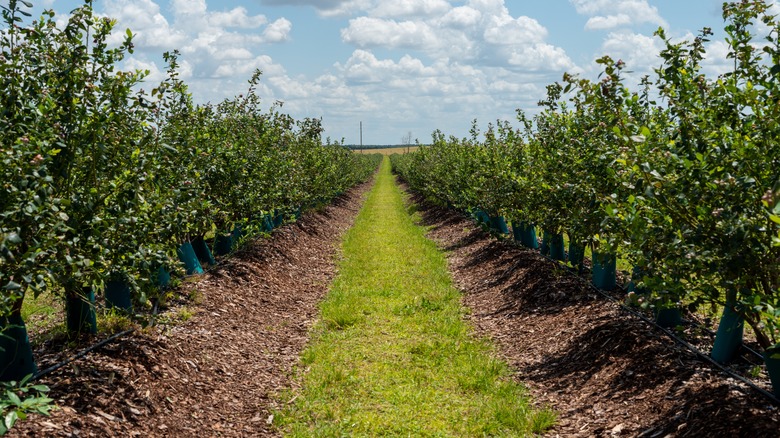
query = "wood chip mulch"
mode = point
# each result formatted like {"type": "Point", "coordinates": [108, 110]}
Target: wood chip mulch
{"type": "Point", "coordinates": [605, 372]}
{"type": "Point", "coordinates": [218, 373]}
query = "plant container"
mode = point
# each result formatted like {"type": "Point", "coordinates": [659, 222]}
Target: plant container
{"type": "Point", "coordinates": [203, 252]}
{"type": "Point", "coordinates": [576, 254]}
{"type": "Point", "coordinates": [163, 277]}
{"type": "Point", "coordinates": [545, 248]}
{"type": "Point", "coordinates": [278, 219]}
{"type": "Point", "coordinates": [728, 340]}
{"type": "Point", "coordinates": [772, 361]}
{"type": "Point", "coordinates": [187, 256]}
{"type": "Point", "coordinates": [268, 223]}
{"type": "Point", "coordinates": [604, 271]}
{"type": "Point", "coordinates": [118, 295]}
{"type": "Point", "coordinates": [668, 317]}
{"type": "Point", "coordinates": [481, 216]}
{"type": "Point", "coordinates": [557, 248]}
{"type": "Point", "coordinates": [498, 224]}
{"type": "Point", "coordinates": [80, 311]}
{"type": "Point", "coordinates": [526, 234]}
{"type": "Point", "coordinates": [223, 244]}
{"type": "Point", "coordinates": [16, 358]}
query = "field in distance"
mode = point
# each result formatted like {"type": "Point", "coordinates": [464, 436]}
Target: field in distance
{"type": "Point", "coordinates": [386, 150]}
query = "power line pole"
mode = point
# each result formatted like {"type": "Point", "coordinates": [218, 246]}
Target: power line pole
{"type": "Point", "coordinates": [361, 136]}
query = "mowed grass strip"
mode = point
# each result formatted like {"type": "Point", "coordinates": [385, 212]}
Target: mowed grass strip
{"type": "Point", "coordinates": [392, 354]}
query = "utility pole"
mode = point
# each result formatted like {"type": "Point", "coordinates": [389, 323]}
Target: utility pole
{"type": "Point", "coordinates": [361, 136]}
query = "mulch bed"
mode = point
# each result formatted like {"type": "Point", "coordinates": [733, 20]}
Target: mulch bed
{"type": "Point", "coordinates": [218, 373]}
{"type": "Point", "coordinates": [605, 372]}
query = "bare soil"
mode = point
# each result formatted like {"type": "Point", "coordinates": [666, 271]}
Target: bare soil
{"type": "Point", "coordinates": [606, 372]}
{"type": "Point", "coordinates": [217, 373]}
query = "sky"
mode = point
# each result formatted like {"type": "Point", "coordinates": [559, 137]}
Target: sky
{"type": "Point", "coordinates": [402, 66]}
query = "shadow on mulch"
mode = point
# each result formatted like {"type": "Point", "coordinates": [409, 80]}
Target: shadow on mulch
{"type": "Point", "coordinates": [605, 372]}
{"type": "Point", "coordinates": [218, 364]}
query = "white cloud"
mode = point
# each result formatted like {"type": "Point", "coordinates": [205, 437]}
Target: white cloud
{"type": "Point", "coordinates": [610, 14]}
{"type": "Point", "coordinates": [152, 31]}
{"type": "Point", "coordinates": [481, 32]}
{"type": "Point", "coordinates": [505, 30]}
{"type": "Point", "coordinates": [189, 7]}
{"type": "Point", "coordinates": [237, 18]}
{"type": "Point", "coordinates": [461, 17]}
{"type": "Point", "coordinates": [409, 8]}
{"type": "Point", "coordinates": [374, 32]}
{"type": "Point", "coordinates": [278, 31]}
{"type": "Point", "coordinates": [414, 65]}
{"type": "Point", "coordinates": [541, 57]}
{"type": "Point", "coordinates": [638, 51]}
{"type": "Point", "coordinates": [608, 22]}
{"type": "Point", "coordinates": [716, 61]}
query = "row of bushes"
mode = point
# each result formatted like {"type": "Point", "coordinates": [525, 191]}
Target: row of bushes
{"type": "Point", "coordinates": [104, 181]}
{"type": "Point", "coordinates": [681, 180]}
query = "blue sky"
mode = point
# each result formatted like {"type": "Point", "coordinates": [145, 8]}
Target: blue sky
{"type": "Point", "coordinates": [405, 65]}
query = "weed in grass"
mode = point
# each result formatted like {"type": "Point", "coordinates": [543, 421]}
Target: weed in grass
{"type": "Point", "coordinates": [195, 296]}
{"type": "Point", "coordinates": [184, 314]}
{"type": "Point", "coordinates": [113, 321]}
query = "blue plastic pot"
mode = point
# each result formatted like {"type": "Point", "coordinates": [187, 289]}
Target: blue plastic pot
{"type": "Point", "coordinates": [498, 224]}
{"type": "Point", "coordinates": [576, 254]}
{"type": "Point", "coordinates": [728, 340]}
{"type": "Point", "coordinates": [118, 295]}
{"type": "Point", "coordinates": [668, 317]}
{"type": "Point", "coordinates": [268, 223]}
{"type": "Point", "coordinates": [772, 361]}
{"type": "Point", "coordinates": [481, 216]}
{"type": "Point", "coordinates": [528, 235]}
{"type": "Point", "coordinates": [223, 244]}
{"type": "Point", "coordinates": [80, 312]}
{"type": "Point", "coordinates": [16, 358]}
{"type": "Point", "coordinates": [545, 248]}
{"type": "Point", "coordinates": [163, 277]}
{"type": "Point", "coordinates": [554, 245]}
{"type": "Point", "coordinates": [604, 271]}
{"type": "Point", "coordinates": [203, 252]}
{"type": "Point", "coordinates": [278, 218]}
{"type": "Point", "coordinates": [187, 256]}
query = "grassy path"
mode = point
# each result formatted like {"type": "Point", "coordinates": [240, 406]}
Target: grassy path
{"type": "Point", "coordinates": [392, 355]}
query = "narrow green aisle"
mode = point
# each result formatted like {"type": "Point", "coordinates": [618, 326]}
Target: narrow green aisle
{"type": "Point", "coordinates": [392, 355]}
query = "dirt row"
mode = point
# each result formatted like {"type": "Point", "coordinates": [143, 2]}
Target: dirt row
{"type": "Point", "coordinates": [605, 372]}
{"type": "Point", "coordinates": [217, 373]}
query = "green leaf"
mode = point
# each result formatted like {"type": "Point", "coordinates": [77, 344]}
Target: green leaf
{"type": "Point", "coordinates": [10, 419]}
{"type": "Point", "coordinates": [14, 238]}
{"type": "Point", "coordinates": [13, 398]}
{"type": "Point", "coordinates": [12, 285]}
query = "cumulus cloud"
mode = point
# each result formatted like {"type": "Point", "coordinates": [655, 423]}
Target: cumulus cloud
{"type": "Point", "coordinates": [410, 8]}
{"type": "Point", "coordinates": [414, 65]}
{"type": "Point", "coordinates": [328, 8]}
{"type": "Point", "coordinates": [610, 14]}
{"type": "Point", "coordinates": [375, 32]}
{"type": "Point", "coordinates": [608, 22]}
{"type": "Point", "coordinates": [236, 18]}
{"type": "Point", "coordinates": [481, 32]}
{"type": "Point", "coordinates": [638, 51]}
